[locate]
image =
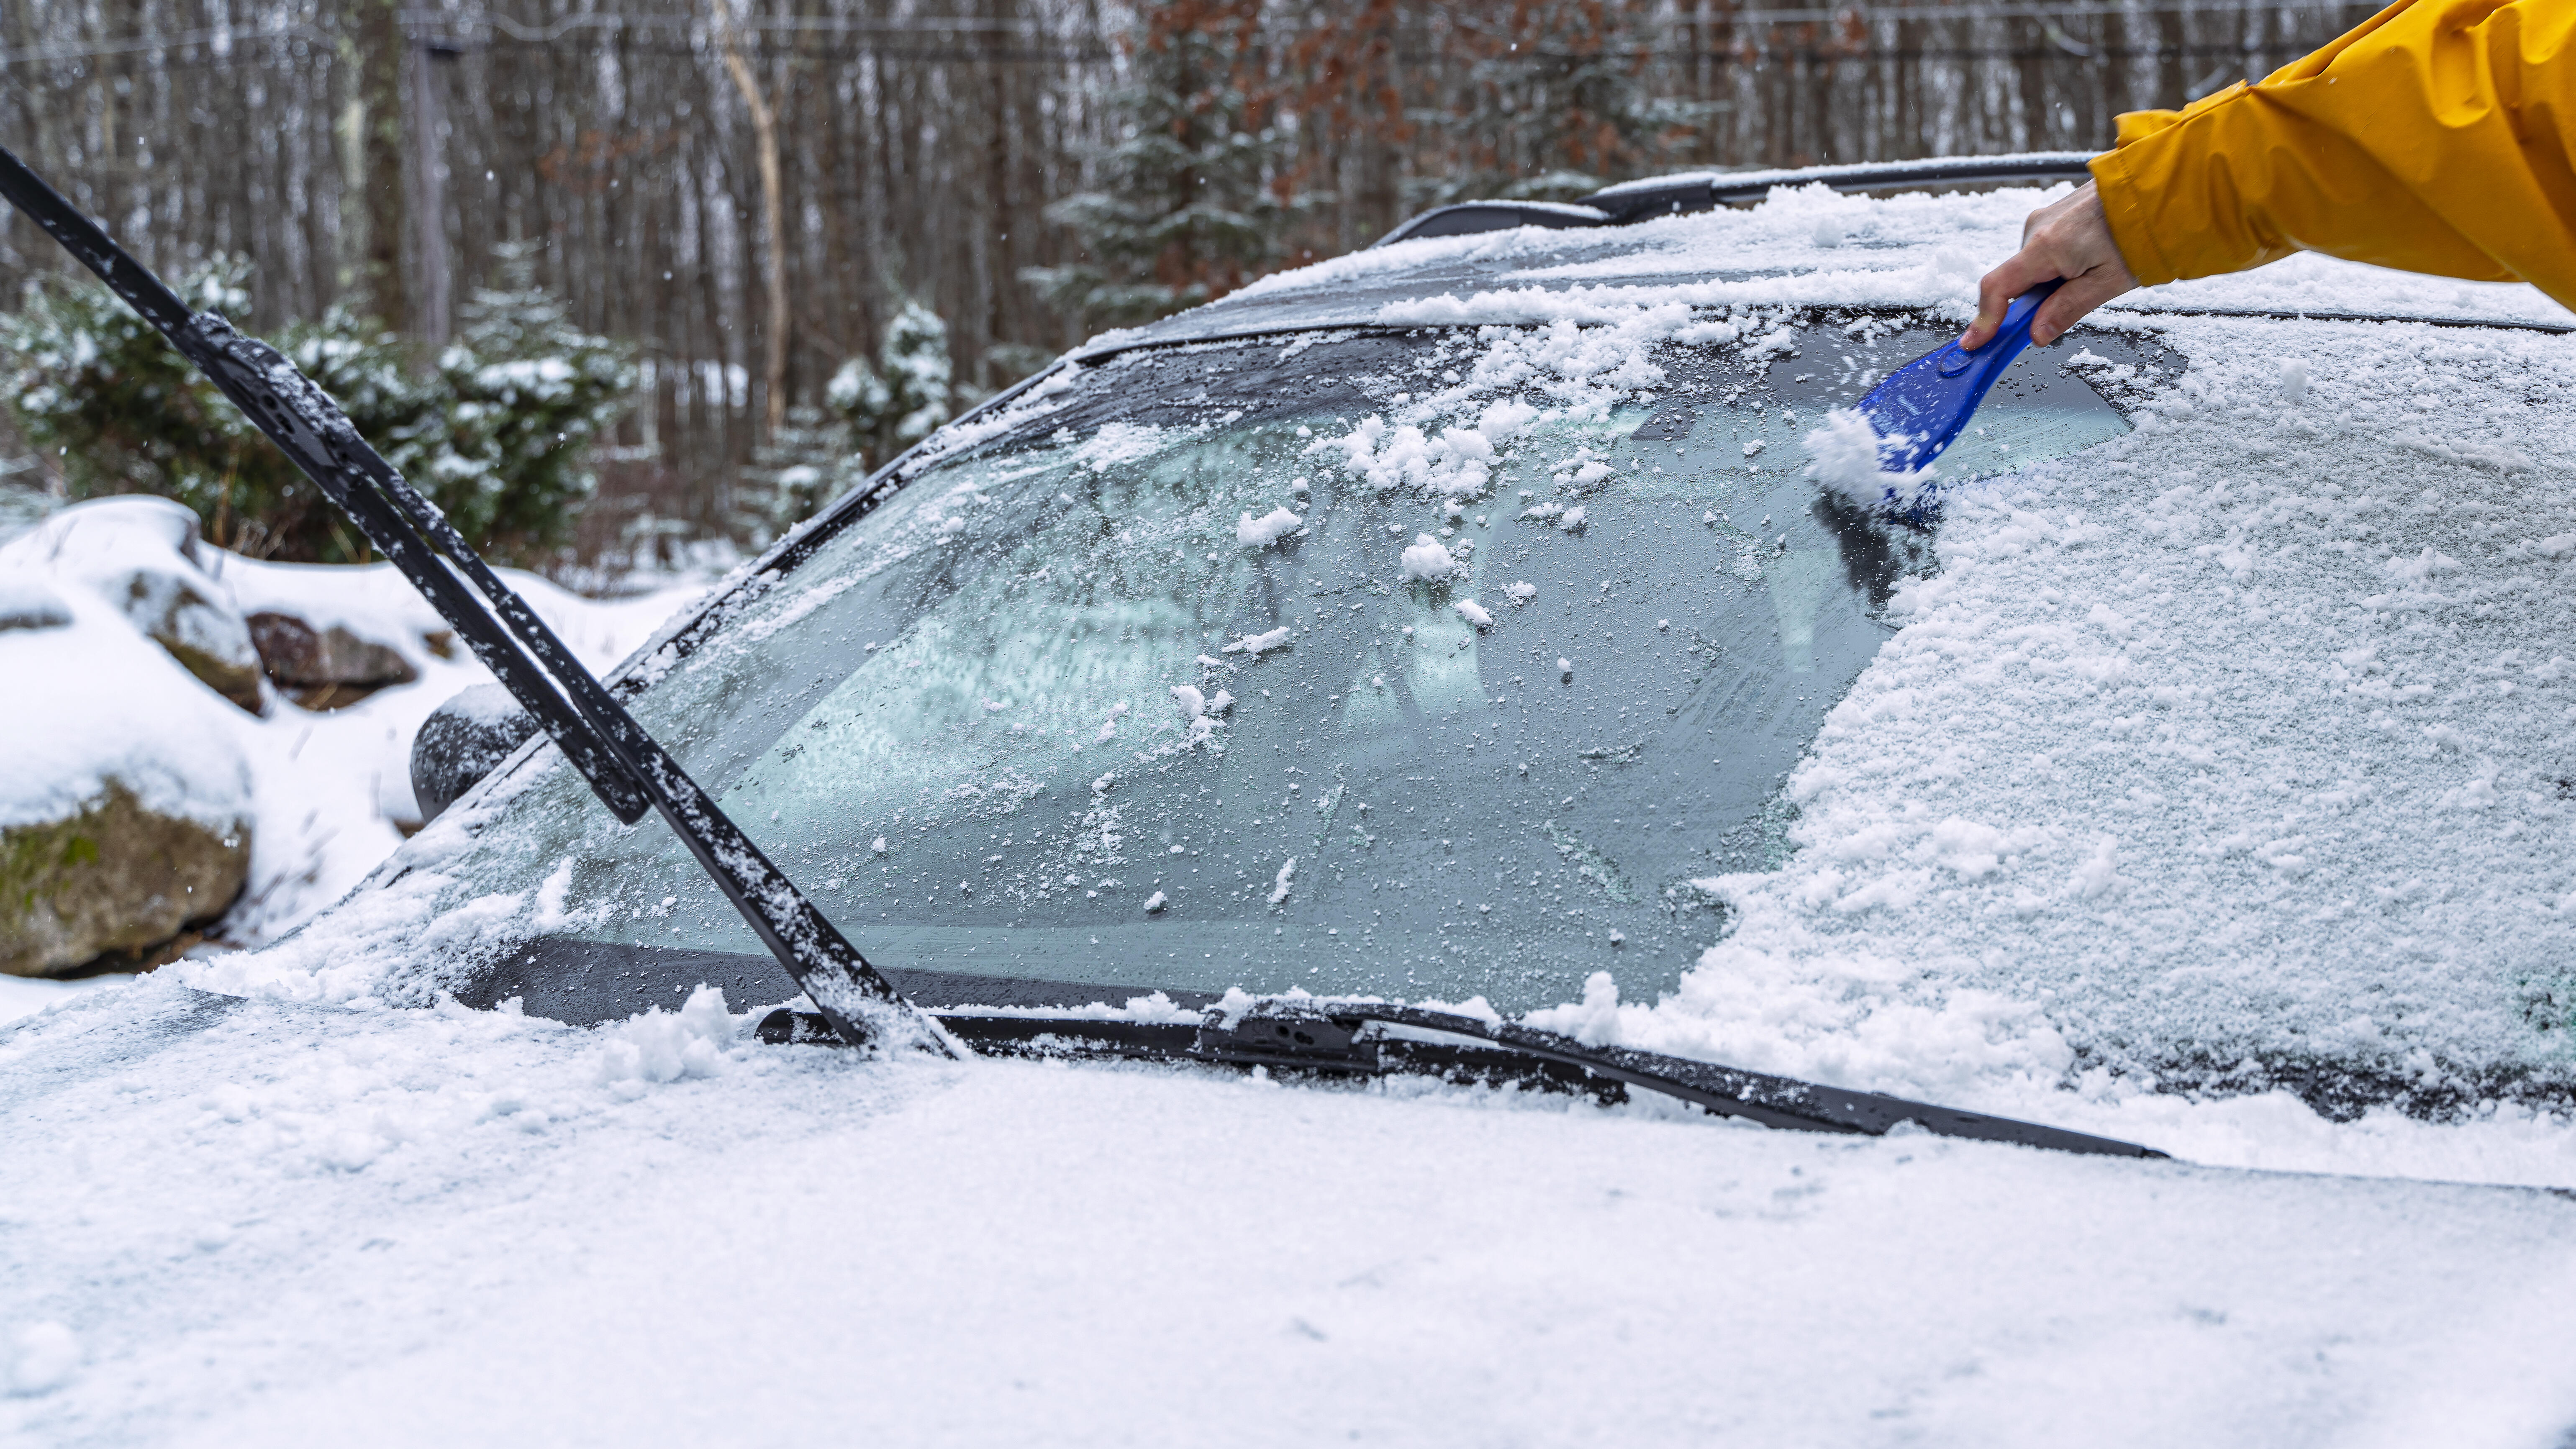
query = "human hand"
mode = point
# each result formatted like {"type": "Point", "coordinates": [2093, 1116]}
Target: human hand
{"type": "Point", "coordinates": [2068, 238]}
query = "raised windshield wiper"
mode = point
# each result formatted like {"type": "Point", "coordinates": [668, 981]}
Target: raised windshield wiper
{"type": "Point", "coordinates": [628, 770]}
{"type": "Point", "coordinates": [1369, 1039]}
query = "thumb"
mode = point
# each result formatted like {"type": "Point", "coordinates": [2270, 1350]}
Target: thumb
{"type": "Point", "coordinates": [2019, 273]}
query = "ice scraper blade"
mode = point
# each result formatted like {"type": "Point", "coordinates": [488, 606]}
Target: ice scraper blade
{"type": "Point", "coordinates": [1919, 410]}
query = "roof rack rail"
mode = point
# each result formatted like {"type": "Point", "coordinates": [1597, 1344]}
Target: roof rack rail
{"type": "Point", "coordinates": [1469, 217]}
{"type": "Point", "coordinates": [1631, 202]}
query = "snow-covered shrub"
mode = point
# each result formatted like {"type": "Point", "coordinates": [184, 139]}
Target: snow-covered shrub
{"type": "Point", "coordinates": [497, 434]}
{"type": "Point", "coordinates": [90, 383]}
{"type": "Point", "coordinates": [873, 410]}
{"type": "Point", "coordinates": [910, 390]}
{"type": "Point", "coordinates": [1192, 199]}
{"type": "Point", "coordinates": [529, 394]}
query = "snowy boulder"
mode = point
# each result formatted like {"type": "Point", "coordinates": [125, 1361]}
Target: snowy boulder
{"type": "Point", "coordinates": [125, 811]}
{"type": "Point", "coordinates": [328, 667]}
{"type": "Point", "coordinates": [461, 741]}
{"type": "Point", "coordinates": [115, 884]}
{"type": "Point", "coordinates": [143, 555]}
{"type": "Point", "coordinates": [28, 604]}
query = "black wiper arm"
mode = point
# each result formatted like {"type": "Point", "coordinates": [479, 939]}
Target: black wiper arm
{"type": "Point", "coordinates": [625, 767]}
{"type": "Point", "coordinates": [1336, 1038]}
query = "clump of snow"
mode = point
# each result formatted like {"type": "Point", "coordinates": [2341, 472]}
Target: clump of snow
{"type": "Point", "coordinates": [2294, 381]}
{"type": "Point", "coordinates": [661, 1046]}
{"type": "Point", "coordinates": [39, 1358]}
{"type": "Point", "coordinates": [1427, 559]}
{"type": "Point", "coordinates": [1571, 520]}
{"type": "Point", "coordinates": [1156, 902]}
{"type": "Point", "coordinates": [1521, 591]}
{"type": "Point", "coordinates": [1849, 456]}
{"type": "Point", "coordinates": [1198, 711]}
{"type": "Point", "coordinates": [1279, 885]}
{"type": "Point", "coordinates": [1457, 464]}
{"type": "Point", "coordinates": [1474, 613]}
{"type": "Point", "coordinates": [1257, 645]}
{"type": "Point", "coordinates": [1268, 529]}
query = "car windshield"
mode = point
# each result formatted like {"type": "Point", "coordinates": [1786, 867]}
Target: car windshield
{"type": "Point", "coordinates": [1200, 669]}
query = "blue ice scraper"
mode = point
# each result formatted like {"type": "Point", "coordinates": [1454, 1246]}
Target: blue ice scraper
{"type": "Point", "coordinates": [1921, 407]}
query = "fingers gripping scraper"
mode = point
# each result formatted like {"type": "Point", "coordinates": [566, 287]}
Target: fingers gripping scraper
{"type": "Point", "coordinates": [1920, 409]}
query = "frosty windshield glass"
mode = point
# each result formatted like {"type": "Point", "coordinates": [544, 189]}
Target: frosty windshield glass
{"type": "Point", "coordinates": [1219, 666]}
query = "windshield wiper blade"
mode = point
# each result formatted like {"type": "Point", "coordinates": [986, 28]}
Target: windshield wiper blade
{"type": "Point", "coordinates": [1347, 1038]}
{"type": "Point", "coordinates": [629, 771]}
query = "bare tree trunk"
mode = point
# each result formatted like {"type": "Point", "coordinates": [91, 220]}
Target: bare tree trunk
{"type": "Point", "coordinates": [380, 98]}
{"type": "Point", "coordinates": [764, 132]}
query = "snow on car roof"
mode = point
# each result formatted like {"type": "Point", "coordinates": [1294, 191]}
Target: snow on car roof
{"type": "Point", "coordinates": [1807, 245]}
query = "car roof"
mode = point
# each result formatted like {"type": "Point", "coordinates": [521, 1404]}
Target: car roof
{"type": "Point", "coordinates": [1911, 234]}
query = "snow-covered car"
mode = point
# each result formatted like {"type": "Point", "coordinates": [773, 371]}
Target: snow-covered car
{"type": "Point", "coordinates": [1458, 623]}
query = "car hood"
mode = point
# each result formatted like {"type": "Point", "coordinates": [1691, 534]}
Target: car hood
{"type": "Point", "coordinates": [425, 1228]}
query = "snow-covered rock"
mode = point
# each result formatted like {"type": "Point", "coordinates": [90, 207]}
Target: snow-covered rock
{"type": "Point", "coordinates": [327, 667]}
{"type": "Point", "coordinates": [26, 603]}
{"type": "Point", "coordinates": [136, 802]}
{"type": "Point", "coordinates": [143, 555]}
{"type": "Point", "coordinates": [113, 880]}
{"type": "Point", "coordinates": [125, 809]}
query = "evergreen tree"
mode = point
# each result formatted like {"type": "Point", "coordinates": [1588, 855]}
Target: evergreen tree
{"type": "Point", "coordinates": [1556, 103]}
{"type": "Point", "coordinates": [910, 390]}
{"type": "Point", "coordinates": [1191, 200]}
{"type": "Point", "coordinates": [89, 382]}
{"type": "Point", "coordinates": [497, 434]}
{"type": "Point", "coordinates": [531, 393]}
{"type": "Point", "coordinates": [874, 410]}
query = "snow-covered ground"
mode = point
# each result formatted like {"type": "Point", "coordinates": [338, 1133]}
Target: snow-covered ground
{"type": "Point", "coordinates": [2178, 730]}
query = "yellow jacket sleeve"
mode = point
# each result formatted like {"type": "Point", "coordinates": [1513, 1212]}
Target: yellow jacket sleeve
{"type": "Point", "coordinates": [2433, 138]}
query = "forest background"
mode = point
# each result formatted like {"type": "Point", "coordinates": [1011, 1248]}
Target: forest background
{"type": "Point", "coordinates": [775, 240]}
